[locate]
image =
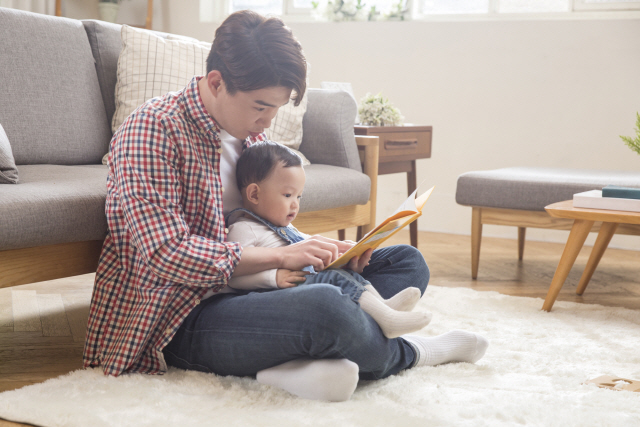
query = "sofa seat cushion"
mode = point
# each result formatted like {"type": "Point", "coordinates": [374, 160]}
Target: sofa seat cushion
{"type": "Point", "coordinates": [53, 204]}
{"type": "Point", "coordinates": [330, 187]}
{"type": "Point", "coordinates": [532, 188]}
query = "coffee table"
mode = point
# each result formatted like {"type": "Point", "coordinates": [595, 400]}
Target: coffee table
{"type": "Point", "coordinates": [583, 221]}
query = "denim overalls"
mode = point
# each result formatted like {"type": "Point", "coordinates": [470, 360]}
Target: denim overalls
{"type": "Point", "coordinates": [351, 283]}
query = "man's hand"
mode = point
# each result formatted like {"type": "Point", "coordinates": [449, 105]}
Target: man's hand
{"type": "Point", "coordinates": [289, 279]}
{"type": "Point", "coordinates": [358, 264]}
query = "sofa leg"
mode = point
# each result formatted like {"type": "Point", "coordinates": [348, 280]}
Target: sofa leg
{"type": "Point", "coordinates": [521, 233]}
{"type": "Point", "coordinates": [476, 237]}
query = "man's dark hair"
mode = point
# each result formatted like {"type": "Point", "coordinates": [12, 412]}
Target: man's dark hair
{"type": "Point", "coordinates": [258, 161]}
{"type": "Point", "coordinates": [253, 52]}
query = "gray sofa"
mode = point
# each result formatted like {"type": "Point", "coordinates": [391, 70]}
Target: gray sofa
{"type": "Point", "coordinates": [57, 80]}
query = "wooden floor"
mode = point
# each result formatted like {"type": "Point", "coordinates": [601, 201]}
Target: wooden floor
{"type": "Point", "coordinates": [43, 325]}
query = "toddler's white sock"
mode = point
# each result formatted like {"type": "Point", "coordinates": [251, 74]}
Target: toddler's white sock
{"type": "Point", "coordinates": [392, 322]}
{"type": "Point", "coordinates": [453, 346]}
{"type": "Point", "coordinates": [334, 380]}
{"type": "Point", "coordinates": [404, 300]}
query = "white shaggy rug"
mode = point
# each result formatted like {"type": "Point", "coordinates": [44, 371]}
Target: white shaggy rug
{"type": "Point", "coordinates": [532, 375]}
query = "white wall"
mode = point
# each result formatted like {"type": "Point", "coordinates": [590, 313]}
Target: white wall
{"type": "Point", "coordinates": [555, 93]}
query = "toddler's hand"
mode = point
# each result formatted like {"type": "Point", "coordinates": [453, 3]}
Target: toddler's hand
{"type": "Point", "coordinates": [289, 279]}
{"type": "Point", "coordinates": [358, 264]}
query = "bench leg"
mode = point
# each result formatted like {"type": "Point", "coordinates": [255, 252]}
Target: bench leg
{"type": "Point", "coordinates": [521, 233]}
{"type": "Point", "coordinates": [607, 230]}
{"type": "Point", "coordinates": [578, 235]}
{"type": "Point", "coordinates": [476, 237]}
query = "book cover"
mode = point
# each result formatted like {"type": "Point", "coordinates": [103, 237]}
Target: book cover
{"type": "Point", "coordinates": [593, 200]}
{"type": "Point", "coordinates": [408, 212]}
{"type": "Point", "coordinates": [621, 192]}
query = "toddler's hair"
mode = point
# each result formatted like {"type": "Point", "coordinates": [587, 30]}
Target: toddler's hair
{"type": "Point", "coordinates": [258, 161]}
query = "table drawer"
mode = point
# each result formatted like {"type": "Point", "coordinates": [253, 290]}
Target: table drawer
{"type": "Point", "coordinates": [400, 143]}
{"type": "Point", "coordinates": [405, 145]}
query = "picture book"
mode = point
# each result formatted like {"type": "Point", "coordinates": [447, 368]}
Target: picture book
{"type": "Point", "coordinates": [408, 212]}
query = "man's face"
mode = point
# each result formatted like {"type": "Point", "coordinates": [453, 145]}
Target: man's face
{"type": "Point", "coordinates": [279, 195]}
{"type": "Point", "coordinates": [249, 113]}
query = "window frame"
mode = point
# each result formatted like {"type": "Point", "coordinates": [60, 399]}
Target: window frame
{"type": "Point", "coordinates": [583, 5]}
{"type": "Point", "coordinates": [218, 10]}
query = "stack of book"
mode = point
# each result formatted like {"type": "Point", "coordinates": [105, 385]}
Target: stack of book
{"type": "Point", "coordinates": [611, 197]}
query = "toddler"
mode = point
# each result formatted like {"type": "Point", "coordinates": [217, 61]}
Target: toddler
{"type": "Point", "coordinates": [271, 181]}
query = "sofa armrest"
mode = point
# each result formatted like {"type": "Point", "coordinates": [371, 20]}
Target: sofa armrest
{"type": "Point", "coordinates": [368, 147]}
{"type": "Point", "coordinates": [327, 127]}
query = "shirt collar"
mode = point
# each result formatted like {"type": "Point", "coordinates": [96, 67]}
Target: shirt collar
{"type": "Point", "coordinates": [196, 108]}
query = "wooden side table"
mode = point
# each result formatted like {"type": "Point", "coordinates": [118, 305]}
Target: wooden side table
{"type": "Point", "coordinates": [583, 221]}
{"type": "Point", "coordinates": [399, 147]}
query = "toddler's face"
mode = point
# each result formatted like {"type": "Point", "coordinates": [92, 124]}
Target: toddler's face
{"type": "Point", "coordinates": [280, 194]}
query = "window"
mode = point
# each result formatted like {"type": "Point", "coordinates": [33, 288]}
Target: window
{"type": "Point", "coordinates": [212, 10]}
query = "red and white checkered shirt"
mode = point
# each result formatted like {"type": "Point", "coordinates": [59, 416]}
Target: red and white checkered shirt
{"type": "Point", "coordinates": [166, 245]}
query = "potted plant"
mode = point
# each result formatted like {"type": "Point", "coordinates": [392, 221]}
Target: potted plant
{"type": "Point", "coordinates": [108, 10]}
{"type": "Point", "coordinates": [634, 144]}
{"type": "Point", "coordinates": [376, 110]}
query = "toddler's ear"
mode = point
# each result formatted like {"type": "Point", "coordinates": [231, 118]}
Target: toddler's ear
{"type": "Point", "coordinates": [252, 192]}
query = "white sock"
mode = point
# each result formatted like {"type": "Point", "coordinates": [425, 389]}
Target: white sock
{"type": "Point", "coordinates": [454, 346]}
{"type": "Point", "coordinates": [392, 322]}
{"type": "Point", "coordinates": [404, 300]}
{"type": "Point", "coordinates": [334, 380]}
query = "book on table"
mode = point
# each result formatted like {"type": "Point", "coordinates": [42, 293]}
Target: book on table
{"type": "Point", "coordinates": [408, 212]}
{"type": "Point", "coordinates": [621, 192]}
{"type": "Point", "coordinates": [593, 200]}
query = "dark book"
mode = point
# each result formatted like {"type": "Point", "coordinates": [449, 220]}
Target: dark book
{"type": "Point", "coordinates": [621, 192]}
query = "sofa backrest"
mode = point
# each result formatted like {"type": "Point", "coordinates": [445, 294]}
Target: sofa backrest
{"type": "Point", "coordinates": [50, 102]}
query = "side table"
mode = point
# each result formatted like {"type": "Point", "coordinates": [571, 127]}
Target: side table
{"type": "Point", "coordinates": [612, 221]}
{"type": "Point", "coordinates": [399, 147]}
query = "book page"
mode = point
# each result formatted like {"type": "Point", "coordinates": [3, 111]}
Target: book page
{"type": "Point", "coordinates": [408, 212]}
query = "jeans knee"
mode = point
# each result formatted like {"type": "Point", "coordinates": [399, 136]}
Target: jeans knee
{"type": "Point", "coordinates": [412, 258]}
{"type": "Point", "coordinates": [332, 320]}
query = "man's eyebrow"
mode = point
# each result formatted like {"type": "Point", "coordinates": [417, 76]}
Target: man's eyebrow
{"type": "Point", "coordinates": [269, 105]}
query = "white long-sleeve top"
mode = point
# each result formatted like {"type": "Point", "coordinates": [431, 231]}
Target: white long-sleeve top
{"type": "Point", "coordinates": [250, 232]}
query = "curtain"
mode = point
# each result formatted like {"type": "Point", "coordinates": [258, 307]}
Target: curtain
{"type": "Point", "coordinates": [47, 7]}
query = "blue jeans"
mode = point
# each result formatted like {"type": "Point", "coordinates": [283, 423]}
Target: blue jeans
{"type": "Point", "coordinates": [241, 334]}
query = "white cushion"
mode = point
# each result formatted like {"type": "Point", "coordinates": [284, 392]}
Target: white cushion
{"type": "Point", "coordinates": [150, 66]}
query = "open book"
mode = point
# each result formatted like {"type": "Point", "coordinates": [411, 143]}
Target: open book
{"type": "Point", "coordinates": [408, 212]}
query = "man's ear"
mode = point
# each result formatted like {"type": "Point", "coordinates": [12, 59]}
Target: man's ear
{"type": "Point", "coordinates": [214, 82]}
{"type": "Point", "coordinates": [252, 192]}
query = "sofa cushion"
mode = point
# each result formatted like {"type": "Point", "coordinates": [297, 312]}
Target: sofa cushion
{"type": "Point", "coordinates": [151, 66]}
{"type": "Point", "coordinates": [50, 104]}
{"type": "Point", "coordinates": [330, 187]}
{"type": "Point", "coordinates": [534, 188]}
{"type": "Point", "coordinates": [106, 44]}
{"type": "Point", "coordinates": [328, 129]}
{"type": "Point", "coordinates": [8, 170]}
{"type": "Point", "coordinates": [53, 204]}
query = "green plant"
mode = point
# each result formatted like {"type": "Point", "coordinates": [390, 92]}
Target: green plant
{"type": "Point", "coordinates": [634, 144]}
{"type": "Point", "coordinates": [376, 110]}
{"type": "Point", "coordinates": [357, 10]}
